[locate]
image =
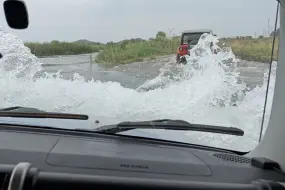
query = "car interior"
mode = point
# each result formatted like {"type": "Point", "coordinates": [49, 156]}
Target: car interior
{"type": "Point", "coordinates": [33, 158]}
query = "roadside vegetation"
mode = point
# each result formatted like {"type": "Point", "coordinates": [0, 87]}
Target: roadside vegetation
{"type": "Point", "coordinates": [252, 49]}
{"type": "Point", "coordinates": [63, 48]}
{"type": "Point", "coordinates": [137, 50]}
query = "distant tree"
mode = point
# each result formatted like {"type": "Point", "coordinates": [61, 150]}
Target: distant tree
{"type": "Point", "coordinates": [55, 42]}
{"type": "Point", "coordinates": [160, 35]}
{"type": "Point", "coordinates": [260, 37]}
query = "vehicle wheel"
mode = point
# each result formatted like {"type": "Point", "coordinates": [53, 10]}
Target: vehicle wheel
{"type": "Point", "coordinates": [183, 60]}
{"type": "Point", "coordinates": [178, 58]}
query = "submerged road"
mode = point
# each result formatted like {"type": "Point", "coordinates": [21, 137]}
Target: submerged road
{"type": "Point", "coordinates": [135, 74]}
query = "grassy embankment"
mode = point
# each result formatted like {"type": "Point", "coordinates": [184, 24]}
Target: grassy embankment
{"type": "Point", "coordinates": [63, 48]}
{"type": "Point", "coordinates": [247, 48]}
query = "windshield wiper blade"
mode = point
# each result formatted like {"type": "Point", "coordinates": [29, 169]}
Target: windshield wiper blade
{"type": "Point", "coordinates": [170, 125]}
{"type": "Point", "coordinates": [25, 112]}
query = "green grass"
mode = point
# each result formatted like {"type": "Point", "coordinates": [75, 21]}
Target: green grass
{"type": "Point", "coordinates": [246, 48]}
{"type": "Point", "coordinates": [252, 49]}
{"type": "Point", "coordinates": [134, 51]}
{"type": "Point", "coordinates": [62, 48]}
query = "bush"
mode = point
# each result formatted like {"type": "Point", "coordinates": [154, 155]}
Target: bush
{"type": "Point", "coordinates": [62, 48]}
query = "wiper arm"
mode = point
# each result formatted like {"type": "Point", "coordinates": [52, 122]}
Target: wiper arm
{"type": "Point", "coordinates": [170, 125]}
{"type": "Point", "coordinates": [23, 112]}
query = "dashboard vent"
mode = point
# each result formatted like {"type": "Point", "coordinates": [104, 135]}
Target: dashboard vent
{"type": "Point", "coordinates": [233, 158]}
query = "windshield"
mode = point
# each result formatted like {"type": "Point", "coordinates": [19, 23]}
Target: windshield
{"type": "Point", "coordinates": [119, 61]}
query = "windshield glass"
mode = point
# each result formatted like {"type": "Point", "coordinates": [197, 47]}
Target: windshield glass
{"type": "Point", "coordinates": [121, 61]}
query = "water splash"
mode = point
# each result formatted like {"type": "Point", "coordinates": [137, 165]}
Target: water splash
{"type": "Point", "coordinates": [17, 61]}
{"type": "Point", "coordinates": [202, 91]}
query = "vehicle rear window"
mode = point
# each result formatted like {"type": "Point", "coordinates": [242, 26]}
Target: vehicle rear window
{"type": "Point", "coordinates": [192, 44]}
{"type": "Point", "coordinates": [187, 38]}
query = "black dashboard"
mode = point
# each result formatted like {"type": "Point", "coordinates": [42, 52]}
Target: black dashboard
{"type": "Point", "coordinates": [85, 160]}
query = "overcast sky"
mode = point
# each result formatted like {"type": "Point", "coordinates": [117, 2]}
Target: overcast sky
{"type": "Point", "coordinates": [114, 20]}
